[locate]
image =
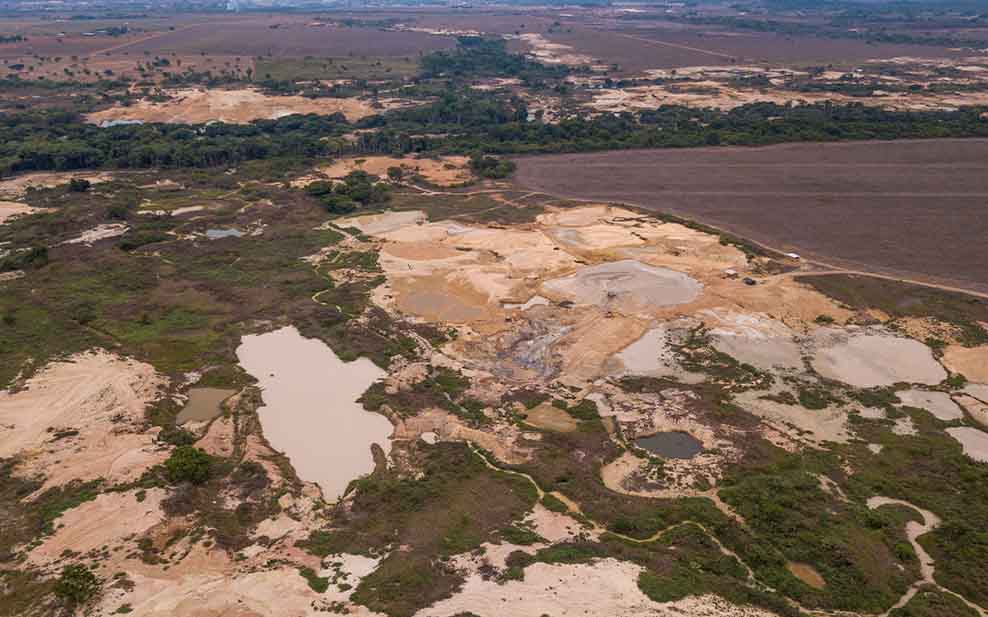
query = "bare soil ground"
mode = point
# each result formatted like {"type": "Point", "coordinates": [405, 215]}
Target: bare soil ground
{"type": "Point", "coordinates": [917, 206]}
{"type": "Point", "coordinates": [200, 105]}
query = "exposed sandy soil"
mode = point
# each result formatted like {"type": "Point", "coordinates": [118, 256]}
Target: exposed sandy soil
{"type": "Point", "coordinates": [551, 418]}
{"type": "Point", "coordinates": [605, 587]}
{"type": "Point", "coordinates": [11, 209]}
{"type": "Point", "coordinates": [201, 105]}
{"type": "Point", "coordinates": [974, 441]}
{"type": "Point", "coordinates": [442, 171]}
{"type": "Point", "coordinates": [937, 403]}
{"type": "Point", "coordinates": [97, 400]}
{"type": "Point", "coordinates": [754, 339]}
{"type": "Point", "coordinates": [100, 232]}
{"type": "Point", "coordinates": [376, 224]}
{"type": "Point", "coordinates": [976, 406]}
{"type": "Point", "coordinates": [635, 270]}
{"type": "Point", "coordinates": [971, 362]}
{"type": "Point", "coordinates": [807, 574]}
{"type": "Point", "coordinates": [798, 197]}
{"type": "Point", "coordinates": [101, 522]}
{"type": "Point", "coordinates": [870, 358]}
{"type": "Point", "coordinates": [16, 187]}
{"type": "Point", "coordinates": [705, 93]}
{"type": "Point", "coordinates": [794, 424]}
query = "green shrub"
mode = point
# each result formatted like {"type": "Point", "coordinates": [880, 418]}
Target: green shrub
{"type": "Point", "coordinates": [77, 585]}
{"type": "Point", "coordinates": [188, 464]}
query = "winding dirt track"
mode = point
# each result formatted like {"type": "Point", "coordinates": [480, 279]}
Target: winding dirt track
{"type": "Point", "coordinates": [911, 209]}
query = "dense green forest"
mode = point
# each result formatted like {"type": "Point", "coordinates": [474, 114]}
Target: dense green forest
{"type": "Point", "coordinates": [458, 122]}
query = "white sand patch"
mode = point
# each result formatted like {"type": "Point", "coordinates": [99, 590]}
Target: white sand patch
{"type": "Point", "coordinates": [974, 441]}
{"type": "Point", "coordinates": [530, 303]}
{"type": "Point", "coordinates": [12, 209]}
{"type": "Point", "coordinates": [937, 403]}
{"type": "Point", "coordinates": [607, 587]}
{"type": "Point", "coordinates": [873, 357]}
{"type": "Point", "coordinates": [100, 232]}
{"type": "Point", "coordinates": [555, 526]}
{"type": "Point", "coordinates": [795, 422]}
{"type": "Point", "coordinates": [977, 390]}
{"type": "Point", "coordinates": [378, 224]}
{"type": "Point", "coordinates": [97, 394]}
{"type": "Point", "coordinates": [101, 522]}
{"type": "Point", "coordinates": [652, 356]}
{"type": "Point", "coordinates": [977, 408]}
{"type": "Point", "coordinates": [344, 572]}
{"type": "Point", "coordinates": [757, 340]}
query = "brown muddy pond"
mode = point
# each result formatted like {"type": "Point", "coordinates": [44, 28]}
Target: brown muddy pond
{"type": "Point", "coordinates": [671, 444]}
{"type": "Point", "coordinates": [310, 410]}
{"type": "Point", "coordinates": [203, 405]}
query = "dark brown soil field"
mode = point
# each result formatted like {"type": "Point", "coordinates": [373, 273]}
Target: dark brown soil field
{"type": "Point", "coordinates": [291, 37]}
{"type": "Point", "coordinates": [638, 49]}
{"type": "Point", "coordinates": [917, 209]}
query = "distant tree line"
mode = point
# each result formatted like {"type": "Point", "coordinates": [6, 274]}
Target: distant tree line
{"type": "Point", "coordinates": [461, 122]}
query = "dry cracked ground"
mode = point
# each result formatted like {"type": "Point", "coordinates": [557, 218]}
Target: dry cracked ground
{"type": "Point", "coordinates": [563, 410]}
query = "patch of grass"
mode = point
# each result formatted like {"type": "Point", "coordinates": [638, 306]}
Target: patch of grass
{"type": "Point", "coordinates": [318, 584]}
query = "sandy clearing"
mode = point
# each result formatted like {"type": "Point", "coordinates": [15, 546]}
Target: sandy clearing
{"type": "Point", "coordinates": [443, 171]}
{"type": "Point", "coordinates": [274, 592]}
{"type": "Point", "coordinates": [98, 394]}
{"type": "Point", "coordinates": [795, 422]}
{"type": "Point", "coordinates": [201, 105]}
{"type": "Point", "coordinates": [551, 418]}
{"type": "Point", "coordinates": [937, 403]}
{"type": "Point", "coordinates": [12, 209]}
{"type": "Point", "coordinates": [652, 356]}
{"type": "Point", "coordinates": [378, 224]}
{"type": "Point", "coordinates": [871, 358]}
{"type": "Point", "coordinates": [977, 407]}
{"type": "Point", "coordinates": [105, 521]}
{"type": "Point", "coordinates": [753, 339]}
{"type": "Point", "coordinates": [100, 232]}
{"type": "Point", "coordinates": [807, 574]}
{"type": "Point", "coordinates": [18, 186]}
{"type": "Point", "coordinates": [974, 441]}
{"type": "Point", "coordinates": [605, 587]}
{"type": "Point", "coordinates": [971, 362]}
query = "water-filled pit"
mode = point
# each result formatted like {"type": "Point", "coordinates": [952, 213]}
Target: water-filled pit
{"type": "Point", "coordinates": [671, 444]}
{"type": "Point", "coordinates": [311, 411]}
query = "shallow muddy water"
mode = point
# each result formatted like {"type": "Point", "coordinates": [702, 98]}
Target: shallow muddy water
{"type": "Point", "coordinates": [216, 234]}
{"type": "Point", "coordinates": [672, 444]}
{"type": "Point", "coordinates": [203, 404]}
{"type": "Point", "coordinates": [311, 411]}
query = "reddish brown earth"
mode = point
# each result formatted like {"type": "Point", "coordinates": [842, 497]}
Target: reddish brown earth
{"type": "Point", "coordinates": [908, 208]}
